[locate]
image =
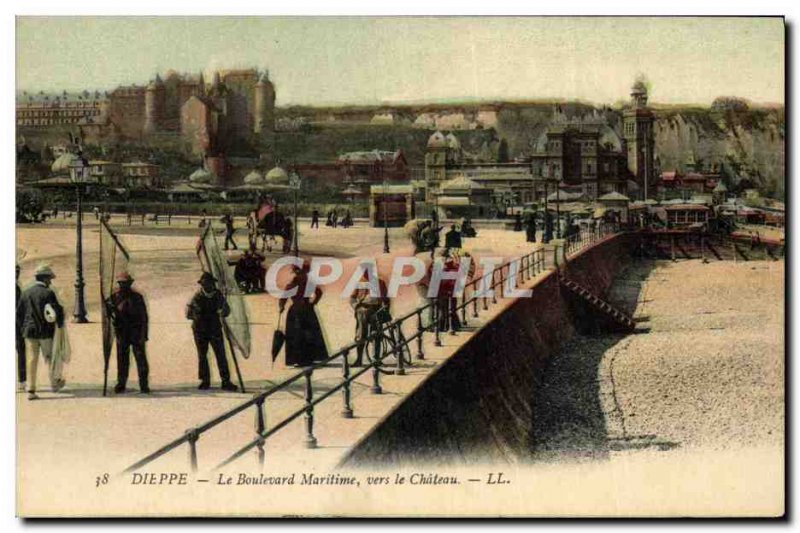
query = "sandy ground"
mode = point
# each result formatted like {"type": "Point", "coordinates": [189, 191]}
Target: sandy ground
{"type": "Point", "coordinates": [706, 373]}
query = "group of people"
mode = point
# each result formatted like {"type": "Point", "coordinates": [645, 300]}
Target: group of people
{"type": "Point", "coordinates": [39, 315]}
{"type": "Point", "coordinates": [249, 271]}
{"type": "Point", "coordinates": [332, 219]}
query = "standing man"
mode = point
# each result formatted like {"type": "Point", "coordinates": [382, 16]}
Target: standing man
{"type": "Point", "coordinates": [452, 239]}
{"type": "Point", "coordinates": [38, 313]}
{"type": "Point", "coordinates": [315, 218]}
{"type": "Point", "coordinates": [366, 308]}
{"type": "Point", "coordinates": [530, 227]}
{"type": "Point", "coordinates": [229, 229]}
{"type": "Point", "coordinates": [206, 310]}
{"type": "Point", "coordinates": [20, 343]}
{"type": "Point", "coordinates": [128, 313]}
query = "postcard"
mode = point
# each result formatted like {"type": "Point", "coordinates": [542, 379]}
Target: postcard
{"type": "Point", "coordinates": [400, 267]}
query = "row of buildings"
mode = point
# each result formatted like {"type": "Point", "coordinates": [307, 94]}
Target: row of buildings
{"type": "Point", "coordinates": [234, 105]}
{"type": "Point", "coordinates": [584, 156]}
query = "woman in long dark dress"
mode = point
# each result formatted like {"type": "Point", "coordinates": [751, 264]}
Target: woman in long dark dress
{"type": "Point", "coordinates": [305, 343]}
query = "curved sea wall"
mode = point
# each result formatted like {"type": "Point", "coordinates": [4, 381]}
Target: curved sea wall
{"type": "Point", "coordinates": [478, 403]}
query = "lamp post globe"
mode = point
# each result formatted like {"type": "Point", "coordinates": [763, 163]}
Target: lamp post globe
{"type": "Point", "coordinates": [294, 183]}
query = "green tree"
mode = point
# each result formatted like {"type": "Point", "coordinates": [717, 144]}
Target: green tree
{"type": "Point", "coordinates": [30, 204]}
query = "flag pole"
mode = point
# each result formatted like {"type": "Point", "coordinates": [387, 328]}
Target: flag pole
{"type": "Point", "coordinates": [225, 331]}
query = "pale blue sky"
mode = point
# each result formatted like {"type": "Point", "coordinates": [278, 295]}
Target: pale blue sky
{"type": "Point", "coordinates": [371, 60]}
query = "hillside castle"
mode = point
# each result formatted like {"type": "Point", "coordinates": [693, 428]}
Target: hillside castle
{"type": "Point", "coordinates": [235, 106]}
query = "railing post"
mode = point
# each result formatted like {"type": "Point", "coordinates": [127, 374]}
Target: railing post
{"type": "Point", "coordinates": [555, 255]}
{"type": "Point", "coordinates": [474, 300]}
{"type": "Point", "coordinates": [450, 313]}
{"type": "Point", "coordinates": [399, 349]}
{"type": "Point", "coordinates": [376, 375]}
{"type": "Point", "coordinates": [486, 298]}
{"type": "Point", "coordinates": [192, 436]}
{"type": "Point", "coordinates": [261, 425]}
{"type": "Point", "coordinates": [494, 285]}
{"type": "Point", "coordinates": [437, 340]}
{"type": "Point", "coordinates": [347, 410]}
{"type": "Point", "coordinates": [464, 304]}
{"type": "Point", "coordinates": [311, 441]}
{"type": "Point", "coordinates": [420, 329]}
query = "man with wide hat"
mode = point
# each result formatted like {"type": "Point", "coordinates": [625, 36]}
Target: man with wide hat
{"type": "Point", "coordinates": [128, 312]}
{"type": "Point", "coordinates": [38, 314]}
{"type": "Point", "coordinates": [206, 310]}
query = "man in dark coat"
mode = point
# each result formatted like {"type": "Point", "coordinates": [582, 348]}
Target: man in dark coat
{"type": "Point", "coordinates": [517, 222]}
{"type": "Point", "coordinates": [229, 230]}
{"type": "Point", "coordinates": [315, 218]}
{"type": "Point", "coordinates": [38, 313]}
{"type": "Point", "coordinates": [20, 343]}
{"type": "Point", "coordinates": [530, 227]}
{"type": "Point", "coordinates": [206, 310]}
{"type": "Point", "coordinates": [452, 239]}
{"type": "Point", "coordinates": [128, 313]}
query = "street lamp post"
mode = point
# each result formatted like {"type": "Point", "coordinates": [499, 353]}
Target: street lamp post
{"type": "Point", "coordinates": [385, 220]}
{"type": "Point", "coordinates": [78, 176]}
{"type": "Point", "coordinates": [435, 225]}
{"type": "Point", "coordinates": [294, 183]}
{"type": "Point", "coordinates": [558, 210]}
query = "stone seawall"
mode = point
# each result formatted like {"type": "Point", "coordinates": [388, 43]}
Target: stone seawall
{"type": "Point", "coordinates": [479, 404]}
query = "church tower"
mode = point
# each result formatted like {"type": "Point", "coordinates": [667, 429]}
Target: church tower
{"type": "Point", "coordinates": [638, 132]}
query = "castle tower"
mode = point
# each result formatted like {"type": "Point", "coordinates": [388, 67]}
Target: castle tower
{"type": "Point", "coordinates": [435, 164]}
{"type": "Point", "coordinates": [264, 106]}
{"type": "Point", "coordinates": [154, 103]}
{"type": "Point", "coordinates": [638, 132]}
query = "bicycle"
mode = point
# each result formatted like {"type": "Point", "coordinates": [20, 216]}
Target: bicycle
{"type": "Point", "coordinates": [389, 344]}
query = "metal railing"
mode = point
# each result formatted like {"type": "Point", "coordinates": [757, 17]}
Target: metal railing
{"type": "Point", "coordinates": [481, 290]}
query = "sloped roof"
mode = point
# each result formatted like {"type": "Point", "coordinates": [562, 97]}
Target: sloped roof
{"type": "Point", "coordinates": [452, 141]}
{"type": "Point", "coordinates": [277, 176]}
{"type": "Point", "coordinates": [370, 156]}
{"type": "Point", "coordinates": [201, 175]}
{"type": "Point", "coordinates": [564, 196]}
{"type": "Point", "coordinates": [460, 182]}
{"type": "Point", "coordinates": [614, 196]}
{"type": "Point", "coordinates": [254, 178]}
{"type": "Point", "coordinates": [437, 140]}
